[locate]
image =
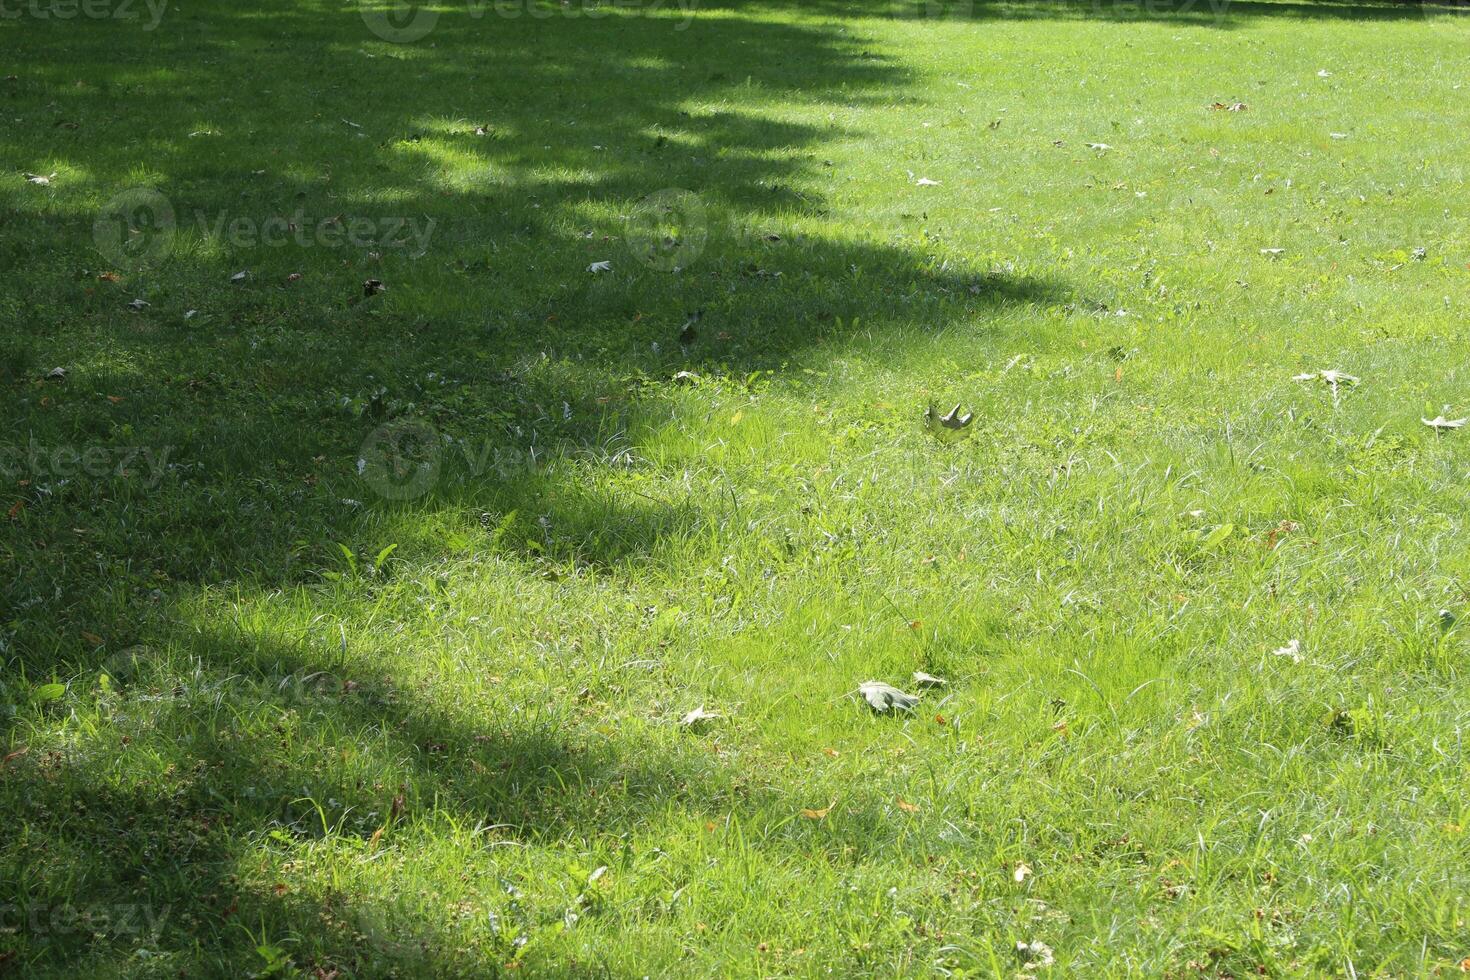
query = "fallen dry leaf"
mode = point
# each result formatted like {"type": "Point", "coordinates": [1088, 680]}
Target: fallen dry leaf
{"type": "Point", "coordinates": [817, 814]}
{"type": "Point", "coordinates": [905, 805]}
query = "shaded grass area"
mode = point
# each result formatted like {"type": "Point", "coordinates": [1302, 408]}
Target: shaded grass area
{"type": "Point", "coordinates": [306, 725]}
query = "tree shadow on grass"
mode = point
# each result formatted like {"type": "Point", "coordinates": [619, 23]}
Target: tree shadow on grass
{"type": "Point", "coordinates": [232, 439]}
{"type": "Point", "coordinates": [236, 744]}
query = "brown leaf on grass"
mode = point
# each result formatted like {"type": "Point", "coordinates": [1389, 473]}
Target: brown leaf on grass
{"type": "Point", "coordinates": [18, 753]}
{"type": "Point", "coordinates": [92, 639]}
{"type": "Point", "coordinates": [109, 277]}
{"type": "Point", "coordinates": [1274, 536]}
{"type": "Point", "coordinates": [817, 814]}
{"type": "Point", "coordinates": [14, 512]}
{"type": "Point", "coordinates": [905, 805]}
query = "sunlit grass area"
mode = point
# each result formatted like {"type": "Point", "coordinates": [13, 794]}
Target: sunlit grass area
{"type": "Point", "coordinates": [440, 422]}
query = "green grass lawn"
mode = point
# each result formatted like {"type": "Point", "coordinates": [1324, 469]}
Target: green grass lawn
{"type": "Point", "coordinates": [346, 631]}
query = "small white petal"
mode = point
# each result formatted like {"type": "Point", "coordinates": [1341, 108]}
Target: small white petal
{"type": "Point", "coordinates": [696, 716]}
